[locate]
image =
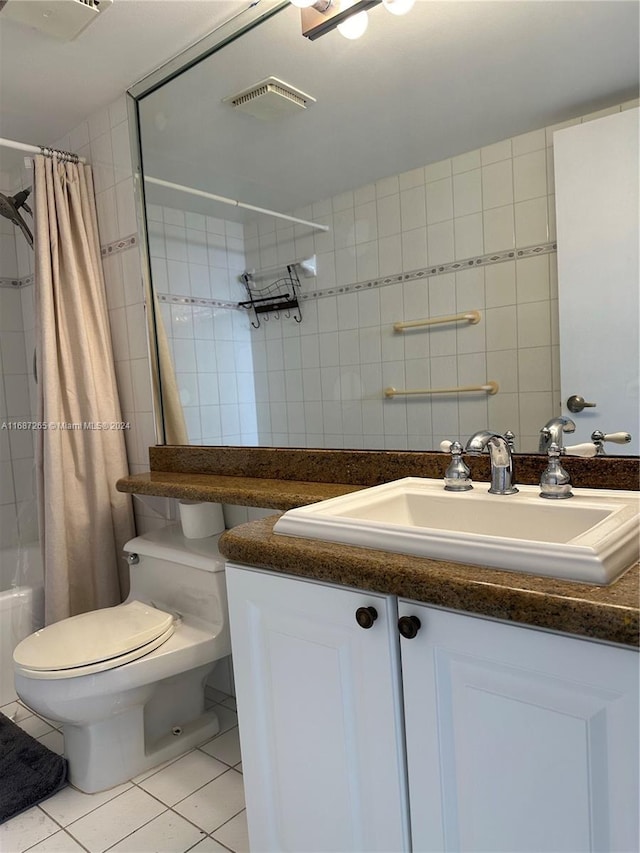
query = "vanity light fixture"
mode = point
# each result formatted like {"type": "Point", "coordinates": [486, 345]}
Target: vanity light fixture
{"type": "Point", "coordinates": [349, 17]}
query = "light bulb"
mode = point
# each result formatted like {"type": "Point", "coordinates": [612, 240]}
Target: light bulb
{"type": "Point", "coordinates": [398, 7]}
{"type": "Point", "coordinates": [302, 4]}
{"type": "Point", "coordinates": [354, 26]}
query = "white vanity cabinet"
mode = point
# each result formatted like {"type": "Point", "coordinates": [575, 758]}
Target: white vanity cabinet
{"type": "Point", "coordinates": [320, 716]}
{"type": "Point", "coordinates": [518, 739]}
{"type": "Point", "coordinates": [511, 739]}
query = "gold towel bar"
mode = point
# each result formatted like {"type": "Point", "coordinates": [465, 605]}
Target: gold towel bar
{"type": "Point", "coordinates": [472, 317]}
{"type": "Point", "coordinates": [490, 387]}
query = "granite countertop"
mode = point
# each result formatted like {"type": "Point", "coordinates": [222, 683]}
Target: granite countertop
{"type": "Point", "coordinates": [242, 491]}
{"type": "Point", "coordinates": [608, 613]}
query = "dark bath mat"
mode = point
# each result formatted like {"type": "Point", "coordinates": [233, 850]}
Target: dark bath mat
{"type": "Point", "coordinates": [29, 772]}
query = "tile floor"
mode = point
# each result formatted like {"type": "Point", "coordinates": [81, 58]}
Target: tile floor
{"type": "Point", "coordinates": [193, 803]}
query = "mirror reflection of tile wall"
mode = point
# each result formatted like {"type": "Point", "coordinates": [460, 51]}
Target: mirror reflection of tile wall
{"type": "Point", "coordinates": [320, 383]}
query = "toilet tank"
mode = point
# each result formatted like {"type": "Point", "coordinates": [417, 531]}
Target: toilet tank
{"type": "Point", "coordinates": [178, 574]}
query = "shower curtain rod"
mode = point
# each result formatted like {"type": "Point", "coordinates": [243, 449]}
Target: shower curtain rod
{"type": "Point", "coordinates": [221, 198]}
{"type": "Point", "coordinates": [41, 149]}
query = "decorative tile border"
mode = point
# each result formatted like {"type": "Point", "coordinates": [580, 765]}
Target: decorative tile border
{"type": "Point", "coordinates": [440, 269]}
{"type": "Point", "coordinates": [427, 272]}
{"type": "Point", "coordinates": [196, 300]}
{"type": "Point", "coordinates": [119, 245]}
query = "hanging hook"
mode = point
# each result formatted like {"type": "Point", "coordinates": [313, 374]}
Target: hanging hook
{"type": "Point", "coordinates": [298, 317]}
{"type": "Point", "coordinates": [257, 324]}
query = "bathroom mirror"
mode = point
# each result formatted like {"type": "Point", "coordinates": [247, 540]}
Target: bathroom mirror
{"type": "Point", "coordinates": [409, 176]}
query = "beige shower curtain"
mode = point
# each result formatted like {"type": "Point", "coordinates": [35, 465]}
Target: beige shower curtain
{"type": "Point", "coordinates": [165, 387]}
{"type": "Point", "coordinates": [84, 521]}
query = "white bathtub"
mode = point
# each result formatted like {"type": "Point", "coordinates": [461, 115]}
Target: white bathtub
{"type": "Point", "coordinates": [21, 607]}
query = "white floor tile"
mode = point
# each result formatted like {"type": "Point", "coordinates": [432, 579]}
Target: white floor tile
{"type": "Point", "coordinates": [216, 803]}
{"type": "Point", "coordinates": [54, 741]}
{"type": "Point", "coordinates": [209, 845]}
{"type": "Point", "coordinates": [168, 833]}
{"type": "Point", "coordinates": [110, 823]}
{"type": "Point", "coordinates": [25, 830]}
{"type": "Point", "coordinates": [234, 834]}
{"type": "Point", "coordinates": [152, 770]}
{"type": "Point", "coordinates": [34, 726]}
{"type": "Point", "coordinates": [238, 767]}
{"type": "Point", "coordinates": [59, 842]}
{"type": "Point", "coordinates": [183, 777]}
{"type": "Point", "coordinates": [15, 711]}
{"type": "Point", "coordinates": [70, 804]}
{"type": "Point", "coordinates": [224, 747]}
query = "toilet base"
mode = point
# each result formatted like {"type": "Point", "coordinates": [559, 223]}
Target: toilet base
{"type": "Point", "coordinates": [112, 751]}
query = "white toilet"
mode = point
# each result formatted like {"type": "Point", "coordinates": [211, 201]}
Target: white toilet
{"type": "Point", "coordinates": [128, 682]}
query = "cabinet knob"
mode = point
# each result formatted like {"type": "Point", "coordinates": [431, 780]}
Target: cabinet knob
{"type": "Point", "coordinates": [409, 626]}
{"type": "Point", "coordinates": [366, 616]}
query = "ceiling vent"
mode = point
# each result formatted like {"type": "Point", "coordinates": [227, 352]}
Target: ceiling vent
{"type": "Point", "coordinates": [270, 99]}
{"type": "Point", "coordinates": [60, 19]}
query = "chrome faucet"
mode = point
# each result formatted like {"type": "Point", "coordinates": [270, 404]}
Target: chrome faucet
{"type": "Point", "coordinates": [553, 431]}
{"type": "Point", "coordinates": [499, 448]}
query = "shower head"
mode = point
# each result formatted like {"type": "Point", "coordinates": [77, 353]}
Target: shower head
{"type": "Point", "coordinates": [10, 209]}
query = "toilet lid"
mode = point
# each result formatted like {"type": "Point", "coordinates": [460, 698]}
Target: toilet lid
{"type": "Point", "coordinates": [93, 668]}
{"type": "Point", "coordinates": [91, 638]}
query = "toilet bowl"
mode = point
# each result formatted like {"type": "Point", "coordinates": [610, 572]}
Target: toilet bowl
{"type": "Point", "coordinates": [128, 682]}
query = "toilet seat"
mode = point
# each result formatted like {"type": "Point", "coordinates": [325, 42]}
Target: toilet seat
{"type": "Point", "coordinates": [95, 641]}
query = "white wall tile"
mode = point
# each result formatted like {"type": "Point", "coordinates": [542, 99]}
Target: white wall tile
{"type": "Point", "coordinates": [499, 229]}
{"type": "Point", "coordinates": [467, 192]}
{"type": "Point", "coordinates": [440, 242]}
{"type": "Point", "coordinates": [414, 249]}
{"type": "Point", "coordinates": [530, 175]}
{"type": "Point", "coordinates": [439, 199]}
{"type": "Point", "coordinates": [531, 222]}
{"type": "Point", "coordinates": [388, 213]}
{"type": "Point", "coordinates": [527, 142]}
{"type": "Point", "coordinates": [497, 184]}
{"type": "Point", "coordinates": [389, 255]}
{"type": "Point", "coordinates": [534, 324]}
{"type": "Point", "coordinates": [437, 171]}
{"type": "Point", "coordinates": [500, 284]}
{"type": "Point", "coordinates": [468, 235]}
{"type": "Point", "coordinates": [413, 212]}
{"type": "Point", "coordinates": [533, 279]}
{"type": "Point", "coordinates": [465, 162]}
{"type": "Point", "coordinates": [496, 152]}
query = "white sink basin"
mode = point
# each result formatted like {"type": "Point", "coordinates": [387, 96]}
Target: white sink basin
{"type": "Point", "coordinates": [592, 537]}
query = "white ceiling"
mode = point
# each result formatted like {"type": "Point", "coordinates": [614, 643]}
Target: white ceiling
{"type": "Point", "coordinates": [447, 78]}
{"type": "Point", "coordinates": [48, 87]}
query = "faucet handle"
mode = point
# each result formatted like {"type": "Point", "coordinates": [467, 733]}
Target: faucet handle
{"type": "Point", "coordinates": [445, 446]}
{"type": "Point", "coordinates": [599, 438]}
{"type": "Point", "coordinates": [457, 476]}
{"type": "Point", "coordinates": [555, 482]}
{"type": "Point", "coordinates": [585, 450]}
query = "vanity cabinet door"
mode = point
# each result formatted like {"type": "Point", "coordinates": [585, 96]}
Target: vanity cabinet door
{"type": "Point", "coordinates": [320, 715]}
{"type": "Point", "coordinates": [517, 739]}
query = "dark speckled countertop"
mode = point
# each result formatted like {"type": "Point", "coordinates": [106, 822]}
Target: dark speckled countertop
{"type": "Point", "coordinates": [282, 478]}
{"type": "Point", "coordinates": [601, 613]}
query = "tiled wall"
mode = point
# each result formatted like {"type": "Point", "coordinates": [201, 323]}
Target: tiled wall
{"type": "Point", "coordinates": [194, 257]}
{"type": "Point", "coordinates": [345, 352]}
{"type": "Point", "coordinates": [18, 513]}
